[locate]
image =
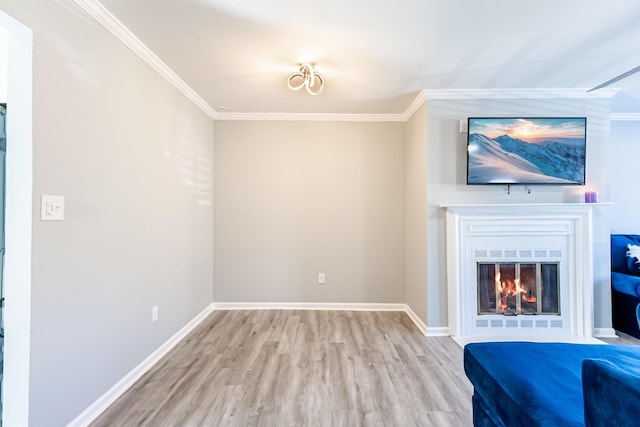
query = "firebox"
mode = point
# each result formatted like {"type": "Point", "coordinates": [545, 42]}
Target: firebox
{"type": "Point", "coordinates": [518, 288]}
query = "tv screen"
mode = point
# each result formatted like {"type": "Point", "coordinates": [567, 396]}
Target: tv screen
{"type": "Point", "coordinates": [526, 150]}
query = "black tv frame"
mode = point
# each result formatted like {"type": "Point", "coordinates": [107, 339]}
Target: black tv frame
{"type": "Point", "coordinates": [528, 183]}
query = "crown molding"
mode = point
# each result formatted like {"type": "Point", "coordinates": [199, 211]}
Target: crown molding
{"type": "Point", "coordinates": [434, 94]}
{"type": "Point", "coordinates": [544, 93]}
{"type": "Point", "coordinates": [97, 11]}
{"type": "Point", "coordinates": [313, 117]}
{"type": "Point", "coordinates": [622, 117]}
{"type": "Point", "coordinates": [101, 14]}
{"type": "Point", "coordinates": [330, 117]}
{"type": "Point", "coordinates": [420, 99]}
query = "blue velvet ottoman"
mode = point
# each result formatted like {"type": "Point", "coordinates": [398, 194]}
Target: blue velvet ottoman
{"type": "Point", "coordinates": [553, 384]}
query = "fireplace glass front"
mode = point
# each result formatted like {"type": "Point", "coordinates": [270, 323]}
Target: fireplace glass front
{"type": "Point", "coordinates": [518, 288]}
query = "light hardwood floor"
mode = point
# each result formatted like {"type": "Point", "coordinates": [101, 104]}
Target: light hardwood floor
{"type": "Point", "coordinates": [623, 339]}
{"type": "Point", "coordinates": [301, 368]}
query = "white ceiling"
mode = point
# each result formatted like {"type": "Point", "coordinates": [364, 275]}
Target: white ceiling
{"type": "Point", "coordinates": [376, 55]}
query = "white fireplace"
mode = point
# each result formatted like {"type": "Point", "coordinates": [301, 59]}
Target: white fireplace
{"type": "Point", "coordinates": [520, 272]}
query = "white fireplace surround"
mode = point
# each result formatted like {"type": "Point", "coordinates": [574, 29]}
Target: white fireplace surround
{"type": "Point", "coordinates": [506, 233]}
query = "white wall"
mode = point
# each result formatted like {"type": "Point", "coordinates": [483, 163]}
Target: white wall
{"type": "Point", "coordinates": [625, 152]}
{"type": "Point", "coordinates": [446, 179]}
{"type": "Point", "coordinates": [294, 199]}
{"type": "Point", "coordinates": [416, 236]}
{"type": "Point", "coordinates": [3, 64]}
{"type": "Point", "coordinates": [133, 159]}
{"type": "Point", "coordinates": [18, 225]}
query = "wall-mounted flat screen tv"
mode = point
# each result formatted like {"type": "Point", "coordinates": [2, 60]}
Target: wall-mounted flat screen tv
{"type": "Point", "coordinates": [526, 150]}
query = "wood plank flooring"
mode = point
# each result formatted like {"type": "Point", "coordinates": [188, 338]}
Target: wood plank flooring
{"type": "Point", "coordinates": [301, 368]}
{"type": "Point", "coordinates": [623, 339]}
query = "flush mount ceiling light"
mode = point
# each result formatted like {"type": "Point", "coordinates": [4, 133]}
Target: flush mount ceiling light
{"type": "Point", "coordinates": [308, 78]}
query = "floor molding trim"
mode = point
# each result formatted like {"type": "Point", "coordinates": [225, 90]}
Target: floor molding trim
{"type": "Point", "coordinates": [416, 320]}
{"type": "Point", "coordinates": [433, 332]}
{"type": "Point", "coordinates": [437, 331]}
{"type": "Point", "coordinates": [104, 401]}
{"type": "Point", "coordinates": [604, 333]}
{"type": "Point", "coordinates": [307, 306]}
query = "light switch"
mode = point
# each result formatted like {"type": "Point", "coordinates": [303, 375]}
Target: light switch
{"type": "Point", "coordinates": [52, 208]}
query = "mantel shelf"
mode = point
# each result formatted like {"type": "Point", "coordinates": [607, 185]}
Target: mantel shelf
{"type": "Point", "coordinates": [463, 205]}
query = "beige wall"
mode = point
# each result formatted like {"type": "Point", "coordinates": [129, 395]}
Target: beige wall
{"type": "Point", "coordinates": [416, 212]}
{"type": "Point", "coordinates": [133, 159]}
{"type": "Point", "coordinates": [294, 199]}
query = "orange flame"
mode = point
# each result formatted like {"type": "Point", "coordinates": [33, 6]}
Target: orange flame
{"type": "Point", "coordinates": [509, 288]}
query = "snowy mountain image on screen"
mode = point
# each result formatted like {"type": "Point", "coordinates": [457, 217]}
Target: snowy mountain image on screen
{"type": "Point", "coordinates": [507, 160]}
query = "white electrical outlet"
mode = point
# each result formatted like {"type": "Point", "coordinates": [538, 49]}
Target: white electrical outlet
{"type": "Point", "coordinates": [154, 313]}
{"type": "Point", "coordinates": [321, 278]}
{"type": "Point", "coordinates": [463, 126]}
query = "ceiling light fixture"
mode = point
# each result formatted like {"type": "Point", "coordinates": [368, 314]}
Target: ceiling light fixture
{"type": "Point", "coordinates": [308, 78]}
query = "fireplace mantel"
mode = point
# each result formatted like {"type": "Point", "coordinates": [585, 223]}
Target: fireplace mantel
{"type": "Point", "coordinates": [563, 230]}
{"type": "Point", "coordinates": [554, 206]}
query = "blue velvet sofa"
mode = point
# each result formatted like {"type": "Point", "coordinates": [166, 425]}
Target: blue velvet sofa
{"type": "Point", "coordinates": [625, 286]}
{"type": "Point", "coordinates": [553, 384]}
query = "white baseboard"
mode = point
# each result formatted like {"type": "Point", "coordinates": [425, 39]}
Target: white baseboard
{"type": "Point", "coordinates": [426, 331]}
{"type": "Point", "coordinates": [432, 332]}
{"type": "Point", "coordinates": [104, 401]}
{"type": "Point", "coordinates": [416, 320]}
{"type": "Point", "coordinates": [604, 333]}
{"type": "Point", "coordinates": [438, 331]}
{"type": "Point", "coordinates": [307, 306]}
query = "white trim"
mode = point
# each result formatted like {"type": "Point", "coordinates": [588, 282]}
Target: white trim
{"type": "Point", "coordinates": [326, 117]}
{"type": "Point", "coordinates": [437, 331]}
{"type": "Point", "coordinates": [543, 93]}
{"type": "Point", "coordinates": [104, 401]}
{"type": "Point", "coordinates": [426, 95]}
{"type": "Point", "coordinates": [308, 306]}
{"type": "Point", "coordinates": [420, 99]}
{"type": "Point", "coordinates": [100, 13]}
{"type": "Point", "coordinates": [628, 117]}
{"type": "Point", "coordinates": [566, 227]}
{"type": "Point", "coordinates": [604, 333]}
{"type": "Point", "coordinates": [416, 320]}
{"type": "Point", "coordinates": [19, 190]}
{"type": "Point", "coordinates": [334, 306]}
{"type": "Point", "coordinates": [313, 117]}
